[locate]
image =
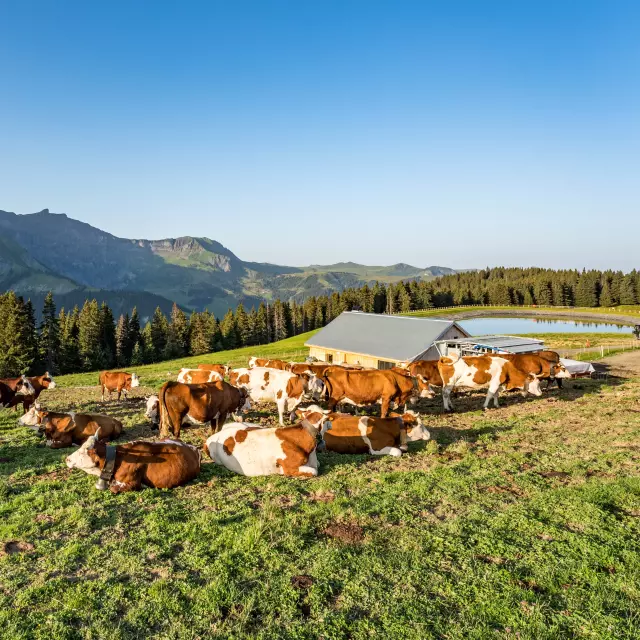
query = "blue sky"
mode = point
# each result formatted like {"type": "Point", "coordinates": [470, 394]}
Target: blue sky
{"type": "Point", "coordinates": [456, 133]}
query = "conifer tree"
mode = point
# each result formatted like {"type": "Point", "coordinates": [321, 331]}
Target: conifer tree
{"type": "Point", "coordinates": [228, 329]}
{"type": "Point", "coordinates": [90, 336]}
{"type": "Point", "coordinates": [122, 341]}
{"type": "Point", "coordinates": [69, 341]}
{"type": "Point", "coordinates": [108, 336]}
{"type": "Point", "coordinates": [262, 325]}
{"type": "Point", "coordinates": [628, 292]}
{"type": "Point", "coordinates": [178, 334]}
{"type": "Point", "coordinates": [49, 338]}
{"type": "Point", "coordinates": [134, 333]}
{"type": "Point", "coordinates": [243, 328]}
{"type": "Point", "coordinates": [159, 328]}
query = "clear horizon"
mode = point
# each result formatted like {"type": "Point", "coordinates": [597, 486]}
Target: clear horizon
{"type": "Point", "coordinates": [299, 134]}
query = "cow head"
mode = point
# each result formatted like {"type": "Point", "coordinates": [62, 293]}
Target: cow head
{"type": "Point", "coordinates": [244, 406]}
{"type": "Point", "coordinates": [153, 410]}
{"type": "Point", "coordinates": [57, 436]}
{"type": "Point", "coordinates": [47, 381]}
{"type": "Point", "coordinates": [24, 387]}
{"type": "Point", "coordinates": [424, 387]}
{"type": "Point", "coordinates": [560, 371]}
{"type": "Point", "coordinates": [415, 430]}
{"type": "Point", "coordinates": [313, 415]}
{"type": "Point", "coordinates": [33, 417]}
{"type": "Point", "coordinates": [532, 385]}
{"type": "Point", "coordinates": [81, 459]}
{"type": "Point", "coordinates": [314, 387]}
{"type": "Point", "coordinates": [135, 381]}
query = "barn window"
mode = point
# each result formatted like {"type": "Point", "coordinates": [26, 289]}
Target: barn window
{"type": "Point", "coordinates": [384, 365]}
{"type": "Point", "coordinates": [329, 358]}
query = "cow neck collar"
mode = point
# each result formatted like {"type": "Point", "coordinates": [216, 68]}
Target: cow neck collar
{"type": "Point", "coordinates": [109, 467]}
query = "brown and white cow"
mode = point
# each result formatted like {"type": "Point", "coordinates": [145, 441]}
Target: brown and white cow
{"type": "Point", "coordinates": [426, 371]}
{"type": "Point", "coordinates": [9, 392]}
{"type": "Point", "coordinates": [344, 433]}
{"type": "Point", "coordinates": [554, 358]}
{"type": "Point", "coordinates": [198, 376]}
{"type": "Point", "coordinates": [484, 372]}
{"type": "Point", "coordinates": [164, 464]}
{"type": "Point", "coordinates": [66, 429]}
{"type": "Point", "coordinates": [252, 451]}
{"type": "Point", "coordinates": [545, 368]}
{"type": "Point", "coordinates": [39, 383]}
{"type": "Point", "coordinates": [367, 387]}
{"type": "Point", "coordinates": [198, 404]}
{"type": "Point", "coordinates": [117, 381]}
{"type": "Point", "coordinates": [269, 364]}
{"type": "Point", "coordinates": [284, 388]}
{"type": "Point", "coordinates": [222, 369]}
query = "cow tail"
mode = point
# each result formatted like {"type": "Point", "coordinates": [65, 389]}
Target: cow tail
{"type": "Point", "coordinates": [164, 413]}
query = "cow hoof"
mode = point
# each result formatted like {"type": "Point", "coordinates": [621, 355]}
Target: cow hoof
{"type": "Point", "coordinates": [404, 448]}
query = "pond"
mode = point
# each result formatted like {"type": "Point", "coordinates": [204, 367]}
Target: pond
{"type": "Point", "coordinates": [518, 326]}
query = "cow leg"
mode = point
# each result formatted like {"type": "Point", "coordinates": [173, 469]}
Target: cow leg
{"type": "Point", "coordinates": [492, 394]}
{"type": "Point", "coordinates": [384, 408]}
{"type": "Point", "coordinates": [126, 394]}
{"type": "Point", "coordinates": [281, 404]}
{"type": "Point", "coordinates": [386, 451]}
{"type": "Point", "coordinates": [446, 398]}
{"type": "Point", "coordinates": [119, 394]}
{"type": "Point", "coordinates": [560, 382]}
{"type": "Point", "coordinates": [403, 441]}
{"type": "Point", "coordinates": [304, 471]}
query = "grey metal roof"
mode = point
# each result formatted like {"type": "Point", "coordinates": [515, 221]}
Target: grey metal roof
{"type": "Point", "coordinates": [397, 338]}
{"type": "Point", "coordinates": [511, 344]}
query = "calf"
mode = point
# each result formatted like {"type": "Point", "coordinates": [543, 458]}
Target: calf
{"type": "Point", "coordinates": [252, 451]}
{"type": "Point", "coordinates": [65, 429]}
{"type": "Point", "coordinates": [286, 389]}
{"type": "Point", "coordinates": [269, 364]}
{"type": "Point", "coordinates": [366, 387]}
{"type": "Point", "coordinates": [222, 369]}
{"type": "Point", "coordinates": [117, 381]}
{"type": "Point", "coordinates": [127, 467]}
{"type": "Point", "coordinates": [343, 433]}
{"type": "Point", "coordinates": [484, 372]}
{"type": "Point", "coordinates": [544, 368]}
{"type": "Point", "coordinates": [18, 388]}
{"type": "Point", "coordinates": [39, 383]}
{"type": "Point", "coordinates": [198, 404]}
{"type": "Point", "coordinates": [153, 411]}
{"type": "Point", "coordinates": [198, 376]}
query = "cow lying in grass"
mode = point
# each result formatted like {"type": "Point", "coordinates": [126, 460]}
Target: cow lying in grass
{"type": "Point", "coordinates": [127, 467]}
{"type": "Point", "coordinates": [344, 433]}
{"type": "Point", "coordinates": [66, 429]}
{"type": "Point", "coordinates": [253, 451]}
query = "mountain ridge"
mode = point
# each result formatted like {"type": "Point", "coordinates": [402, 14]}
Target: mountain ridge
{"type": "Point", "coordinates": [45, 250]}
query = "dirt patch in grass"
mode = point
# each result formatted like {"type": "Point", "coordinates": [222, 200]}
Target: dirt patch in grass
{"type": "Point", "coordinates": [346, 532]}
{"type": "Point", "coordinates": [16, 546]}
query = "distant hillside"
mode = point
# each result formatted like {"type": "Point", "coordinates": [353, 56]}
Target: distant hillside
{"type": "Point", "coordinates": [46, 251]}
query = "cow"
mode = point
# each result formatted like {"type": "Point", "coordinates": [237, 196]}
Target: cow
{"type": "Point", "coordinates": [164, 464]}
{"type": "Point", "coordinates": [317, 368]}
{"type": "Point", "coordinates": [370, 386]}
{"type": "Point", "coordinates": [9, 392]}
{"type": "Point", "coordinates": [284, 388]}
{"type": "Point", "coordinates": [344, 433]}
{"type": "Point", "coordinates": [117, 381]}
{"type": "Point", "coordinates": [426, 371]}
{"type": "Point", "coordinates": [222, 369]}
{"type": "Point", "coordinates": [198, 404]}
{"type": "Point", "coordinates": [484, 372]}
{"type": "Point", "coordinates": [554, 357]}
{"type": "Point", "coordinates": [39, 383]}
{"type": "Point", "coordinates": [153, 411]}
{"type": "Point", "coordinates": [253, 451]}
{"type": "Point", "coordinates": [198, 376]}
{"type": "Point", "coordinates": [269, 364]}
{"type": "Point", "coordinates": [66, 429]}
{"type": "Point", "coordinates": [545, 368]}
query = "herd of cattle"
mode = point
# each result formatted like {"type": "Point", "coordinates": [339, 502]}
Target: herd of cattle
{"type": "Point", "coordinates": [202, 396]}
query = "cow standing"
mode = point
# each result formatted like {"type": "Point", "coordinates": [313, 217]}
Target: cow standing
{"type": "Point", "coordinates": [484, 372]}
{"type": "Point", "coordinates": [8, 393]}
{"type": "Point", "coordinates": [119, 381]}
{"type": "Point", "coordinates": [66, 429]}
{"type": "Point", "coordinates": [163, 465]}
{"type": "Point", "coordinates": [39, 383]}
{"type": "Point", "coordinates": [252, 451]}
{"type": "Point", "coordinates": [198, 404]}
{"type": "Point", "coordinates": [198, 376]}
{"type": "Point", "coordinates": [286, 389]}
{"type": "Point", "coordinates": [367, 387]}
{"type": "Point", "coordinates": [545, 367]}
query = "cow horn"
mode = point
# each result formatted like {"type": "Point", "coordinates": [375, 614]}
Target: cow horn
{"type": "Point", "coordinates": [97, 434]}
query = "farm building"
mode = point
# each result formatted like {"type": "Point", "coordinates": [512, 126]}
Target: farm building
{"type": "Point", "coordinates": [381, 341]}
{"type": "Point", "coordinates": [477, 345]}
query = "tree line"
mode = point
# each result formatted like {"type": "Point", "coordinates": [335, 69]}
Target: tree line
{"type": "Point", "coordinates": [89, 338]}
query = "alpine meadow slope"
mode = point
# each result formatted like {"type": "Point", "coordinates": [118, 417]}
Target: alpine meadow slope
{"type": "Point", "coordinates": [47, 251]}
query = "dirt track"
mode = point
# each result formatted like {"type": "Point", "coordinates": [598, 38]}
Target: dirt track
{"type": "Point", "coordinates": [626, 364]}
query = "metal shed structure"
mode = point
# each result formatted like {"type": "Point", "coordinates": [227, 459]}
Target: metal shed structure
{"type": "Point", "coordinates": [477, 345]}
{"type": "Point", "coordinates": [381, 341]}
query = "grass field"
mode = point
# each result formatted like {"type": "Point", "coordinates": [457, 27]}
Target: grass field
{"type": "Point", "coordinates": [523, 522]}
